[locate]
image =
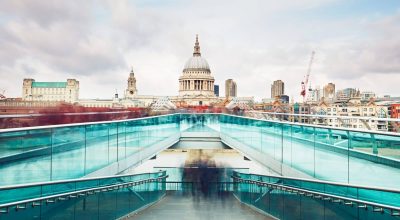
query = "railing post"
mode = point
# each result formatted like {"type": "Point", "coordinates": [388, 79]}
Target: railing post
{"type": "Point", "coordinates": [51, 153]}
{"type": "Point", "coordinates": [348, 155]}
{"type": "Point", "coordinates": [374, 144]}
{"type": "Point", "coordinates": [349, 145]}
{"type": "Point", "coordinates": [85, 156]}
{"type": "Point", "coordinates": [314, 148]}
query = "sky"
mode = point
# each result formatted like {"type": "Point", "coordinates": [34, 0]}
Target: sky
{"type": "Point", "coordinates": [254, 42]}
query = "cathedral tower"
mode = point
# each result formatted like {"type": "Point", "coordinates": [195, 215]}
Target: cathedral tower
{"type": "Point", "coordinates": [131, 91]}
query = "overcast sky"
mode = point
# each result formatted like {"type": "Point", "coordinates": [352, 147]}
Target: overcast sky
{"type": "Point", "coordinates": [357, 44]}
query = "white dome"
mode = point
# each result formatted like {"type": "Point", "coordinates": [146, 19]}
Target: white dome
{"type": "Point", "coordinates": [197, 63]}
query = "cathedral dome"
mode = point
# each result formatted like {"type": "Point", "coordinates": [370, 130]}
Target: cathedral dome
{"type": "Point", "coordinates": [197, 63]}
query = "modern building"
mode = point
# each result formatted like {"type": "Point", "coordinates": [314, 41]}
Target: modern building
{"type": "Point", "coordinates": [395, 110]}
{"type": "Point", "coordinates": [346, 94]}
{"type": "Point", "coordinates": [284, 98]}
{"type": "Point", "coordinates": [277, 88]}
{"type": "Point", "coordinates": [216, 90]}
{"type": "Point", "coordinates": [314, 95]}
{"type": "Point", "coordinates": [50, 91]}
{"type": "Point", "coordinates": [367, 95]}
{"type": "Point", "coordinates": [230, 88]}
{"type": "Point", "coordinates": [301, 109]}
{"type": "Point", "coordinates": [329, 92]}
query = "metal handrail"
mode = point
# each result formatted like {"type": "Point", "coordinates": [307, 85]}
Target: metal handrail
{"type": "Point", "coordinates": [75, 194]}
{"type": "Point", "coordinates": [318, 126]}
{"type": "Point", "coordinates": [61, 114]}
{"type": "Point", "coordinates": [17, 186]}
{"type": "Point", "coordinates": [323, 196]}
{"type": "Point", "coordinates": [328, 182]}
{"type": "Point", "coordinates": [80, 124]}
{"type": "Point", "coordinates": [97, 122]}
{"type": "Point", "coordinates": [327, 116]}
{"type": "Point", "coordinates": [246, 117]}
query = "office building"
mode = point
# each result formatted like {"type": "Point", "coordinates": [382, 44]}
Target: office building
{"type": "Point", "coordinates": [230, 88]}
{"type": "Point", "coordinates": [277, 88]}
{"type": "Point", "coordinates": [216, 90]}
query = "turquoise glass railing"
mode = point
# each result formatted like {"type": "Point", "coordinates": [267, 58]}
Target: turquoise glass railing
{"type": "Point", "coordinates": [77, 150]}
{"type": "Point", "coordinates": [71, 151]}
{"type": "Point", "coordinates": [91, 198]}
{"type": "Point", "coordinates": [291, 198]}
{"type": "Point", "coordinates": [342, 155]}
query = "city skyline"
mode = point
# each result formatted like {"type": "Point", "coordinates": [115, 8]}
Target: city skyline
{"type": "Point", "coordinates": [98, 43]}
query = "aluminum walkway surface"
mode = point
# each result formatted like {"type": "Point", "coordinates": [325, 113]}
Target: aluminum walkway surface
{"type": "Point", "coordinates": [195, 207]}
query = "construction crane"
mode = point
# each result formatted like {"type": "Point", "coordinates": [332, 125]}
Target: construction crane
{"type": "Point", "coordinates": [306, 77]}
{"type": "Point", "coordinates": [2, 94]}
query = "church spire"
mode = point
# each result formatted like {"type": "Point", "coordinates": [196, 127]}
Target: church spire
{"type": "Point", "coordinates": [197, 47]}
{"type": "Point", "coordinates": [132, 74]}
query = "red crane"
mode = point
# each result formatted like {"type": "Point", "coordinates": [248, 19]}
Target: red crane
{"type": "Point", "coordinates": [2, 96]}
{"type": "Point", "coordinates": [306, 77]}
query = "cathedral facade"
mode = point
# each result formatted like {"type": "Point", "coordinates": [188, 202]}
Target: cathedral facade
{"type": "Point", "coordinates": [196, 84]}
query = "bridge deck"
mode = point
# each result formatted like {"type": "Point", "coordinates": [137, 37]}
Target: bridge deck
{"type": "Point", "coordinates": [192, 207]}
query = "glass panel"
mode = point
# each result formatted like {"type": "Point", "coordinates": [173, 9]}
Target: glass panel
{"type": "Point", "coordinates": [387, 146]}
{"type": "Point", "coordinates": [382, 196]}
{"type": "Point", "coordinates": [68, 152]}
{"type": "Point", "coordinates": [25, 156]}
{"type": "Point", "coordinates": [132, 137]}
{"type": "Point", "coordinates": [97, 151]}
{"type": "Point", "coordinates": [331, 162]}
{"type": "Point", "coordinates": [121, 140]}
{"type": "Point", "coordinates": [303, 157]}
{"type": "Point", "coordinates": [113, 142]}
{"type": "Point", "coordinates": [101, 204]}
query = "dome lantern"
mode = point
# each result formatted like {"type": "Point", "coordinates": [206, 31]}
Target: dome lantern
{"type": "Point", "coordinates": [196, 51]}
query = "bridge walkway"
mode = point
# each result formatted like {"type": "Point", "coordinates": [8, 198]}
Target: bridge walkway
{"type": "Point", "coordinates": [178, 205]}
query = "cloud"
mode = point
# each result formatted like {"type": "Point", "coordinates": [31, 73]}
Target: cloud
{"type": "Point", "coordinates": [378, 53]}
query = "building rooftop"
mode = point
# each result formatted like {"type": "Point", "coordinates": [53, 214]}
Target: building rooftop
{"type": "Point", "coordinates": [49, 84]}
